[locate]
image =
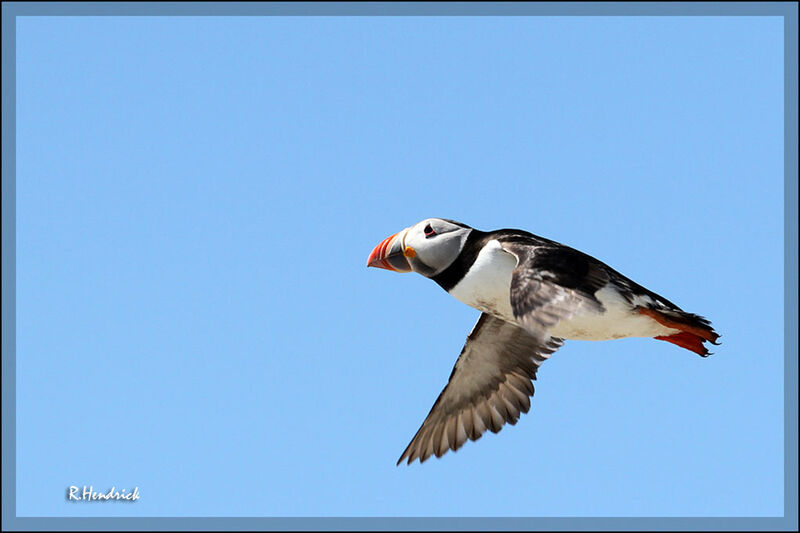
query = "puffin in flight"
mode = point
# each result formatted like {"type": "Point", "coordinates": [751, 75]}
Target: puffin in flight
{"type": "Point", "coordinates": [533, 293]}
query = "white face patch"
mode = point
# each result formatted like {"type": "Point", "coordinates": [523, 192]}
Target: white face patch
{"type": "Point", "coordinates": [436, 244]}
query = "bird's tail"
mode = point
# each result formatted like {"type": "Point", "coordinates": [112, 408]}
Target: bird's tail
{"type": "Point", "coordinates": [694, 330]}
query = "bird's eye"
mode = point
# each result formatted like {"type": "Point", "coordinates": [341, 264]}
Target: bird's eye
{"type": "Point", "coordinates": [429, 231]}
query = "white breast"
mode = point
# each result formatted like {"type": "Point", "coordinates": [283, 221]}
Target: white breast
{"type": "Point", "coordinates": [487, 284]}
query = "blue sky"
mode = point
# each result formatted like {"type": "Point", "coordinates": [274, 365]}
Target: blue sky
{"type": "Point", "coordinates": [197, 197]}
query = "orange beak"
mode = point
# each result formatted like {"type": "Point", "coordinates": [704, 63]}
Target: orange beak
{"type": "Point", "coordinates": [389, 254]}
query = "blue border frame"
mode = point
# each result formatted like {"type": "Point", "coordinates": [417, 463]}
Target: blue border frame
{"type": "Point", "coordinates": [12, 10]}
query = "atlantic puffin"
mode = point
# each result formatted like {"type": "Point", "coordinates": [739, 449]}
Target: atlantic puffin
{"type": "Point", "coordinates": [533, 293]}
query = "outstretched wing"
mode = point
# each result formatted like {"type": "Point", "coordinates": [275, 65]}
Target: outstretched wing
{"type": "Point", "coordinates": [489, 386]}
{"type": "Point", "coordinates": [552, 283]}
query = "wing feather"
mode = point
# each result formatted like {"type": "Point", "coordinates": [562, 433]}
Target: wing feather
{"type": "Point", "coordinates": [552, 283]}
{"type": "Point", "coordinates": [490, 386]}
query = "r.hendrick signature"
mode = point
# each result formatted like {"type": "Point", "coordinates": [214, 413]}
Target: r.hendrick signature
{"type": "Point", "coordinates": [74, 494]}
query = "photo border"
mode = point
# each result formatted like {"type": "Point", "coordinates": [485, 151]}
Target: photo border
{"type": "Point", "coordinates": [12, 10]}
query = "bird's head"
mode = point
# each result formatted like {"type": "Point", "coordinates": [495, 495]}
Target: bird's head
{"type": "Point", "coordinates": [428, 247]}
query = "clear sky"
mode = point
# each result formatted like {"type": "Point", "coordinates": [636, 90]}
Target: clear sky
{"type": "Point", "coordinates": [197, 197]}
